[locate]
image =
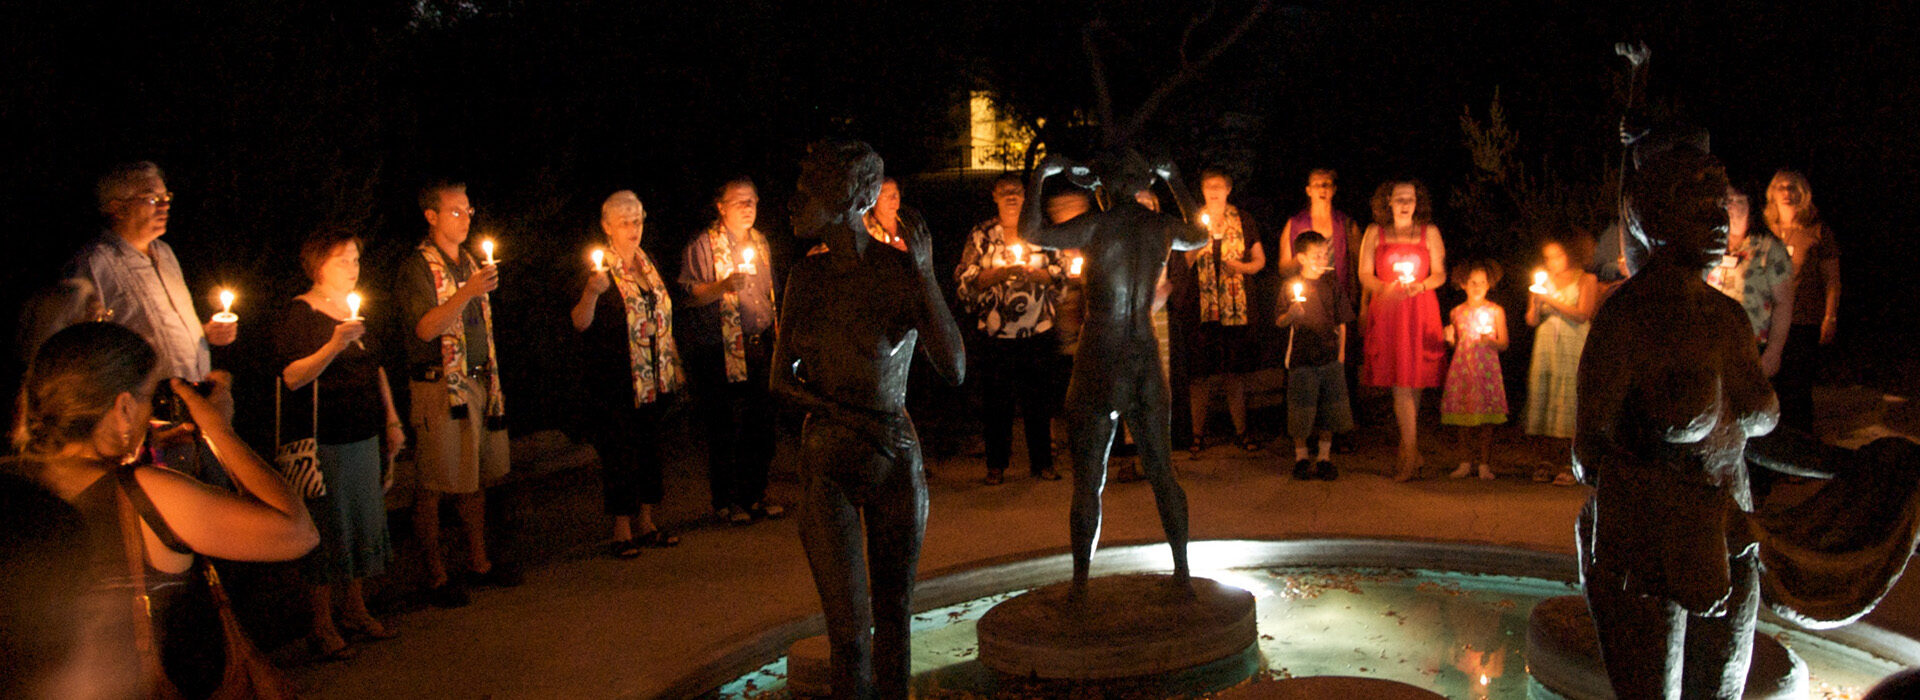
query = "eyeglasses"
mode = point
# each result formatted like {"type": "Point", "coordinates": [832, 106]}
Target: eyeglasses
{"type": "Point", "coordinates": [467, 212]}
{"type": "Point", "coordinates": [151, 199]}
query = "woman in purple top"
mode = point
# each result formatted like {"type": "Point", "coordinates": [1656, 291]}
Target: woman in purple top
{"type": "Point", "coordinates": [1341, 231]}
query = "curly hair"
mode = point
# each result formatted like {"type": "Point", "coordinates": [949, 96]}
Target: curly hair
{"type": "Point", "coordinates": [1458, 277]}
{"type": "Point", "coordinates": [73, 381]}
{"type": "Point", "coordinates": [844, 174]}
{"type": "Point", "coordinates": [1383, 207]}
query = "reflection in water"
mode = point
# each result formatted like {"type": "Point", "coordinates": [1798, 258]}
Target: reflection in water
{"type": "Point", "coordinates": [1460, 635]}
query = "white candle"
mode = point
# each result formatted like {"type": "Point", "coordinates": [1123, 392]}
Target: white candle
{"type": "Point", "coordinates": [226, 308]}
{"type": "Point", "coordinates": [353, 306]}
{"type": "Point", "coordinates": [1299, 292]}
{"type": "Point", "coordinates": [1074, 267]}
{"type": "Point", "coordinates": [1483, 322]}
{"type": "Point", "coordinates": [1404, 269]}
{"type": "Point", "coordinates": [746, 260]}
{"type": "Point", "coordinates": [1540, 283]}
{"type": "Point", "coordinates": [599, 260]}
{"type": "Point", "coordinates": [486, 247]}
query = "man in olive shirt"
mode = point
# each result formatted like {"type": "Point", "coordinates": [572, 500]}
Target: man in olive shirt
{"type": "Point", "coordinates": [459, 420]}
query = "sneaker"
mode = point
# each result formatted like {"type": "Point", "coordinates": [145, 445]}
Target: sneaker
{"type": "Point", "coordinates": [501, 575]}
{"type": "Point", "coordinates": [1327, 472]}
{"type": "Point", "coordinates": [448, 595]}
{"type": "Point", "coordinates": [1465, 470]}
{"type": "Point", "coordinates": [1302, 470]}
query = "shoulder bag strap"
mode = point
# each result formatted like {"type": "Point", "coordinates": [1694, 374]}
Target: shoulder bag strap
{"type": "Point", "coordinates": [153, 673]}
{"type": "Point", "coordinates": [130, 487]}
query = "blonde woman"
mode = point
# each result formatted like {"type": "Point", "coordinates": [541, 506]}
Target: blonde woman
{"type": "Point", "coordinates": [1793, 217]}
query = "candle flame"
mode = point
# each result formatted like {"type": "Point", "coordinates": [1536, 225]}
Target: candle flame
{"type": "Point", "coordinates": [1299, 291]}
{"type": "Point", "coordinates": [1483, 679]}
{"type": "Point", "coordinates": [1077, 264]}
{"type": "Point", "coordinates": [226, 300]}
{"type": "Point", "coordinates": [599, 259]}
{"type": "Point", "coordinates": [1205, 220]}
{"type": "Point", "coordinates": [746, 254]}
{"type": "Point", "coordinates": [486, 246]}
{"type": "Point", "coordinates": [1540, 277]}
{"type": "Point", "coordinates": [1019, 252]}
{"type": "Point", "coordinates": [353, 304]}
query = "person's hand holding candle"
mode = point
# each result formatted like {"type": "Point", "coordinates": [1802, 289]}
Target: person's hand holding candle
{"type": "Point", "coordinates": [224, 327]}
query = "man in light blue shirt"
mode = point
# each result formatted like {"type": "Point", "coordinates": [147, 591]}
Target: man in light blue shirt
{"type": "Point", "coordinates": [138, 277]}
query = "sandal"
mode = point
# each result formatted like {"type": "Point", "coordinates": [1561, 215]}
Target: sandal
{"type": "Point", "coordinates": [1247, 442]}
{"type": "Point", "coordinates": [657, 539]}
{"type": "Point", "coordinates": [624, 549]}
{"type": "Point", "coordinates": [1565, 479]}
{"type": "Point", "coordinates": [340, 653]}
{"type": "Point", "coordinates": [369, 628]}
{"type": "Point", "coordinates": [1543, 473]}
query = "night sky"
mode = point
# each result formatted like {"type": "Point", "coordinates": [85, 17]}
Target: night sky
{"type": "Point", "coordinates": [274, 118]}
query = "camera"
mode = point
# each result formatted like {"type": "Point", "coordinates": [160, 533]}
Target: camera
{"type": "Point", "coordinates": [167, 405]}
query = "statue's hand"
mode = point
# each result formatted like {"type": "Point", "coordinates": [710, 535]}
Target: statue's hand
{"type": "Point", "coordinates": [1053, 164]}
{"type": "Point", "coordinates": [1165, 170]}
{"type": "Point", "coordinates": [919, 245]}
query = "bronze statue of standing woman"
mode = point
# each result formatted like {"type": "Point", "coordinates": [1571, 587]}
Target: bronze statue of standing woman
{"type": "Point", "coordinates": [855, 309]}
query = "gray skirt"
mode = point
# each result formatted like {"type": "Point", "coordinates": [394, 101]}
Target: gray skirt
{"type": "Point", "coordinates": [352, 517]}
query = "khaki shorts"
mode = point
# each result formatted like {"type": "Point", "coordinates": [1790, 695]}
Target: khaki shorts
{"type": "Point", "coordinates": [455, 456]}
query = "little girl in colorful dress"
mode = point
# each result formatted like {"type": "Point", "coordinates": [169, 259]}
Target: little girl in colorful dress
{"type": "Point", "coordinates": [1475, 397]}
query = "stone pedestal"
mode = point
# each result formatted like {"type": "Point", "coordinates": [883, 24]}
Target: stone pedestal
{"type": "Point", "coordinates": [808, 674]}
{"type": "Point", "coordinates": [1125, 627]}
{"type": "Point", "coordinates": [1323, 687]}
{"type": "Point", "coordinates": [1563, 656]}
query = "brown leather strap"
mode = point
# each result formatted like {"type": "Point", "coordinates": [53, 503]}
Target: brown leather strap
{"type": "Point", "coordinates": [136, 551]}
{"type": "Point", "coordinates": [130, 488]}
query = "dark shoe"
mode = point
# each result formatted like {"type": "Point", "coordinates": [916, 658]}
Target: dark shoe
{"type": "Point", "coordinates": [1343, 446]}
{"type": "Point", "coordinates": [658, 539]}
{"type": "Point", "coordinates": [1302, 470]}
{"type": "Point", "coordinates": [994, 478]}
{"type": "Point", "coordinates": [340, 653]}
{"type": "Point", "coordinates": [762, 510]}
{"type": "Point", "coordinates": [499, 576]}
{"type": "Point", "coordinates": [1326, 471]}
{"type": "Point", "coordinates": [448, 595]}
{"type": "Point", "coordinates": [1199, 445]}
{"type": "Point", "coordinates": [623, 549]}
{"type": "Point", "coordinates": [1047, 474]}
{"type": "Point", "coordinates": [1247, 442]}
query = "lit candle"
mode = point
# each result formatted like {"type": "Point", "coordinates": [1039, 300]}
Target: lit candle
{"type": "Point", "coordinates": [1483, 322]}
{"type": "Point", "coordinates": [746, 261]}
{"type": "Point", "coordinates": [1299, 292]}
{"type": "Point", "coordinates": [1404, 269]}
{"type": "Point", "coordinates": [486, 247]}
{"type": "Point", "coordinates": [1073, 268]}
{"type": "Point", "coordinates": [1207, 221]}
{"type": "Point", "coordinates": [226, 308]}
{"type": "Point", "coordinates": [353, 306]}
{"type": "Point", "coordinates": [1540, 283]}
{"type": "Point", "coordinates": [599, 260]}
{"type": "Point", "coordinates": [1018, 254]}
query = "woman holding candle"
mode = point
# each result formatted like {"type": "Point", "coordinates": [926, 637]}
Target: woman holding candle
{"type": "Point", "coordinates": [1012, 287]}
{"type": "Point", "coordinates": [1816, 298]}
{"type": "Point", "coordinates": [1559, 312]}
{"type": "Point", "coordinates": [1402, 260]}
{"type": "Point", "coordinates": [1223, 345]}
{"type": "Point", "coordinates": [884, 219]}
{"type": "Point", "coordinates": [322, 348]}
{"type": "Point", "coordinates": [1475, 397]}
{"type": "Point", "coordinates": [625, 320]}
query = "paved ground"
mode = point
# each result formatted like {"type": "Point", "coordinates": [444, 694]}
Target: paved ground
{"type": "Point", "coordinates": [587, 626]}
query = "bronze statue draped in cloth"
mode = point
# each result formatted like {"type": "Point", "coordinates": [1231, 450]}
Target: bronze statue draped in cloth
{"type": "Point", "coordinates": [1116, 372]}
{"type": "Point", "coordinates": [854, 311]}
{"type": "Point", "coordinates": [1674, 556]}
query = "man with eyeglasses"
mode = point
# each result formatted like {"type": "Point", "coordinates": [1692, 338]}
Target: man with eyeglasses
{"type": "Point", "coordinates": [138, 277]}
{"type": "Point", "coordinates": [459, 418]}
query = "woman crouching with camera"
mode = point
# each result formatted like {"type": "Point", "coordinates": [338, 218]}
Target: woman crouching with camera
{"type": "Point", "coordinates": [82, 424]}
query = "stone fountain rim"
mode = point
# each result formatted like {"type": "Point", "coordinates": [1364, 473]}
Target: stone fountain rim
{"type": "Point", "coordinates": [977, 579]}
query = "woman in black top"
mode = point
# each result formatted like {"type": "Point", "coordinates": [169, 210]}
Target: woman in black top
{"type": "Point", "coordinates": [322, 348]}
{"type": "Point", "coordinates": [625, 319]}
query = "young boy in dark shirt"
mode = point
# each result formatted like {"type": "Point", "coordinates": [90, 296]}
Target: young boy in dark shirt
{"type": "Point", "coordinates": [1317, 316]}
